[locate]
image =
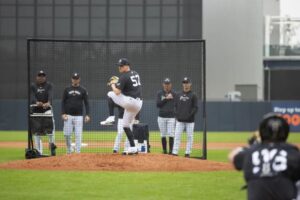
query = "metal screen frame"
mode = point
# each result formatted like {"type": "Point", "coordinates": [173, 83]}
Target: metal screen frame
{"type": "Point", "coordinates": [30, 40]}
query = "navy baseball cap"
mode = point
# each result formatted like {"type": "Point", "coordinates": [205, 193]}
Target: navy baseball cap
{"type": "Point", "coordinates": [186, 80]}
{"type": "Point", "coordinates": [41, 73]}
{"type": "Point", "coordinates": [167, 81]}
{"type": "Point", "coordinates": [123, 61]}
{"type": "Point", "coordinates": [75, 76]}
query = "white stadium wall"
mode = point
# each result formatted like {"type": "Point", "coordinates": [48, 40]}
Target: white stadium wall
{"type": "Point", "coordinates": [233, 30]}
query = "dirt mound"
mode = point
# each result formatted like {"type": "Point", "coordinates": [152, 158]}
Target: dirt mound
{"type": "Point", "coordinates": [116, 162]}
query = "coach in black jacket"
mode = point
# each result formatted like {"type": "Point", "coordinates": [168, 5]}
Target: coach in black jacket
{"type": "Point", "coordinates": [185, 110]}
{"type": "Point", "coordinates": [74, 97]}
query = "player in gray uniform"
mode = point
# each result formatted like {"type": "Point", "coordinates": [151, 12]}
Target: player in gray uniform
{"type": "Point", "coordinates": [72, 112]}
{"type": "Point", "coordinates": [165, 101]}
{"type": "Point", "coordinates": [127, 94]}
{"type": "Point", "coordinates": [185, 110]}
{"type": "Point", "coordinates": [41, 96]}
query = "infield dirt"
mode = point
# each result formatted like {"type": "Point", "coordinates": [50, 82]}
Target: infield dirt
{"type": "Point", "coordinates": [117, 162]}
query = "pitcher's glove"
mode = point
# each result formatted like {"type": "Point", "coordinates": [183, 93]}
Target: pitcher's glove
{"type": "Point", "coordinates": [112, 80]}
{"type": "Point", "coordinates": [254, 139]}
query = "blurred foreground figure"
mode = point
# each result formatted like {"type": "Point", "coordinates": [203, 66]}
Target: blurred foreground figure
{"type": "Point", "coordinates": [272, 166]}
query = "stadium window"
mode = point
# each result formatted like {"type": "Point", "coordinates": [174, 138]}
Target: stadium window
{"type": "Point", "coordinates": [152, 11]}
{"type": "Point", "coordinates": [116, 11]}
{"type": "Point", "coordinates": [62, 11]}
{"type": "Point", "coordinates": [8, 27]}
{"type": "Point", "coordinates": [98, 11]}
{"type": "Point", "coordinates": [7, 11]}
{"type": "Point", "coordinates": [44, 27]}
{"type": "Point", "coordinates": [116, 28]}
{"type": "Point", "coordinates": [152, 27]}
{"type": "Point", "coordinates": [26, 11]}
{"type": "Point", "coordinates": [81, 11]}
{"type": "Point", "coordinates": [135, 11]}
{"type": "Point", "coordinates": [62, 27]}
{"type": "Point", "coordinates": [44, 11]}
{"type": "Point", "coordinates": [98, 27]}
{"type": "Point", "coordinates": [134, 27]}
{"type": "Point", "coordinates": [81, 28]}
{"type": "Point", "coordinates": [25, 27]}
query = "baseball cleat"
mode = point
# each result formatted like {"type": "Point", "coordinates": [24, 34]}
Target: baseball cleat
{"type": "Point", "coordinates": [187, 155]}
{"type": "Point", "coordinates": [132, 150]}
{"type": "Point", "coordinates": [109, 121]}
{"type": "Point", "coordinates": [115, 151]}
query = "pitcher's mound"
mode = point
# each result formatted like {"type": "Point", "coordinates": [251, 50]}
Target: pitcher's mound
{"type": "Point", "coordinates": [114, 162]}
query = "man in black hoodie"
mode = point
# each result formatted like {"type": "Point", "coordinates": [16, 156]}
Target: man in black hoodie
{"type": "Point", "coordinates": [185, 110]}
{"type": "Point", "coordinates": [41, 96]}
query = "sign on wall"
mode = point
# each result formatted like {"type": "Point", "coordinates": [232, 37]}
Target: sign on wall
{"type": "Point", "coordinates": [290, 111]}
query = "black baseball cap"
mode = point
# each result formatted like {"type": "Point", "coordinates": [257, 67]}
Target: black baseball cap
{"type": "Point", "coordinates": [167, 81]}
{"type": "Point", "coordinates": [186, 80]}
{"type": "Point", "coordinates": [41, 73]}
{"type": "Point", "coordinates": [123, 61]}
{"type": "Point", "coordinates": [75, 76]}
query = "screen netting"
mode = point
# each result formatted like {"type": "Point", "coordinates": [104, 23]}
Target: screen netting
{"type": "Point", "coordinates": [95, 61]}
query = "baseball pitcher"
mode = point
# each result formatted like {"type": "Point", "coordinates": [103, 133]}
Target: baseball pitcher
{"type": "Point", "coordinates": [127, 94]}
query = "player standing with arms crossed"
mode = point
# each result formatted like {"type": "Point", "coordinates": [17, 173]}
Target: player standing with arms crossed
{"type": "Point", "coordinates": [72, 112]}
{"type": "Point", "coordinates": [186, 107]}
{"type": "Point", "coordinates": [271, 167]}
{"type": "Point", "coordinates": [127, 94]}
{"type": "Point", "coordinates": [165, 101]}
{"type": "Point", "coordinates": [41, 96]}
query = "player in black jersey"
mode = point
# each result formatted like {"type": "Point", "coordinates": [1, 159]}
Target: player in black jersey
{"type": "Point", "coordinates": [186, 107]}
{"type": "Point", "coordinates": [127, 94]}
{"type": "Point", "coordinates": [165, 101]}
{"type": "Point", "coordinates": [271, 167]}
{"type": "Point", "coordinates": [41, 96]}
{"type": "Point", "coordinates": [73, 99]}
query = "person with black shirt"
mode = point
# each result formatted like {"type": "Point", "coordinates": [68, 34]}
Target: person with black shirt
{"type": "Point", "coordinates": [127, 94]}
{"type": "Point", "coordinates": [186, 107]}
{"type": "Point", "coordinates": [271, 167]}
{"type": "Point", "coordinates": [165, 101]}
{"type": "Point", "coordinates": [73, 99]}
{"type": "Point", "coordinates": [41, 97]}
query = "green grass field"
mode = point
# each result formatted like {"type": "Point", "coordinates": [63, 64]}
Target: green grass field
{"type": "Point", "coordinates": [33, 184]}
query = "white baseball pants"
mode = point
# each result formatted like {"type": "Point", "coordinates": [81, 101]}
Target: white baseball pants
{"type": "Point", "coordinates": [38, 139]}
{"type": "Point", "coordinates": [166, 126]}
{"type": "Point", "coordinates": [73, 123]}
{"type": "Point", "coordinates": [119, 136]}
{"type": "Point", "coordinates": [131, 106]}
{"type": "Point", "coordinates": [189, 127]}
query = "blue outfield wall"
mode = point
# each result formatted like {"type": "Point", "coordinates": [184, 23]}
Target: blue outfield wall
{"type": "Point", "coordinates": [221, 116]}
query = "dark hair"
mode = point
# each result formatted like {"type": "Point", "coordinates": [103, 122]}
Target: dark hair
{"type": "Point", "coordinates": [274, 128]}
